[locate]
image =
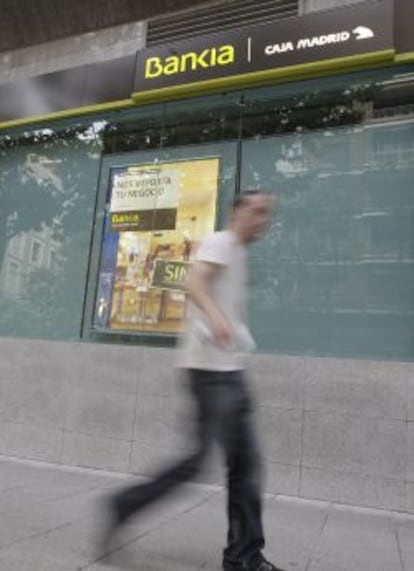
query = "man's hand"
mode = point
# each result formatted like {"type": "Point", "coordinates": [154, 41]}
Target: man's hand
{"type": "Point", "coordinates": [220, 330]}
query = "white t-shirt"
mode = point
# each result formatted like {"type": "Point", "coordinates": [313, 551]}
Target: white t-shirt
{"type": "Point", "coordinates": [229, 290]}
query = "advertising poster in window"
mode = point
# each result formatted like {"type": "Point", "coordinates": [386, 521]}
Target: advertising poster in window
{"type": "Point", "coordinates": [156, 216]}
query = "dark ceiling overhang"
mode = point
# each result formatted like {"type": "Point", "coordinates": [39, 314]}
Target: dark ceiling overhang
{"type": "Point", "coordinates": [25, 23]}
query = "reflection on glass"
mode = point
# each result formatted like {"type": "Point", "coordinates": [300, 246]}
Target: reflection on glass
{"type": "Point", "coordinates": [26, 253]}
{"type": "Point", "coordinates": [47, 190]}
{"type": "Point", "coordinates": [335, 271]}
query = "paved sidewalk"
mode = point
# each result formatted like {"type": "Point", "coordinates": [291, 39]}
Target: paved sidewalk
{"type": "Point", "coordinates": [49, 516]}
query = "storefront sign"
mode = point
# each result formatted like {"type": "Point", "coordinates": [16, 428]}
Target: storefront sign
{"type": "Point", "coordinates": [169, 275]}
{"type": "Point", "coordinates": [144, 199]}
{"type": "Point", "coordinates": [349, 31]}
{"type": "Point", "coordinates": [350, 37]}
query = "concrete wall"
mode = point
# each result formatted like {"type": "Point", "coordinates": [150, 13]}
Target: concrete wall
{"type": "Point", "coordinates": [339, 430]}
{"type": "Point", "coordinates": [71, 52]}
{"type": "Point", "coordinates": [307, 6]}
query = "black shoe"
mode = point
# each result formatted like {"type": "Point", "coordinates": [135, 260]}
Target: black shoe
{"type": "Point", "coordinates": [259, 563]}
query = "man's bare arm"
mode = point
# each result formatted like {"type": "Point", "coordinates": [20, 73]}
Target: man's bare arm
{"type": "Point", "coordinates": [198, 286]}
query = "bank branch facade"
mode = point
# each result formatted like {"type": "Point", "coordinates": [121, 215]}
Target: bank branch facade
{"type": "Point", "coordinates": [110, 175]}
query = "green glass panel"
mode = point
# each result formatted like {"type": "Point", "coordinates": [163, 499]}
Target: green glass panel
{"type": "Point", "coordinates": [335, 270]}
{"type": "Point", "coordinates": [48, 186]}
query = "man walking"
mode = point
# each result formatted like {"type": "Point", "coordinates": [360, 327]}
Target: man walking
{"type": "Point", "coordinates": [212, 355]}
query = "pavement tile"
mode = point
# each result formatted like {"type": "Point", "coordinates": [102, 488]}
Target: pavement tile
{"type": "Point", "coordinates": [404, 528]}
{"type": "Point", "coordinates": [358, 540]}
{"type": "Point", "coordinates": [50, 517]}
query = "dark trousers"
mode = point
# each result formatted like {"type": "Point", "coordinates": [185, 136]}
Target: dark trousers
{"type": "Point", "coordinates": [224, 411]}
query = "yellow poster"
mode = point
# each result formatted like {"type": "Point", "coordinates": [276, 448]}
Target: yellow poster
{"type": "Point", "coordinates": [160, 214]}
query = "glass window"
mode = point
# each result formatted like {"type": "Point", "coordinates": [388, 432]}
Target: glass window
{"type": "Point", "coordinates": [334, 273]}
{"type": "Point", "coordinates": [148, 241]}
{"type": "Point", "coordinates": [48, 181]}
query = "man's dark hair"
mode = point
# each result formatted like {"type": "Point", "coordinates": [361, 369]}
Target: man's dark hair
{"type": "Point", "coordinates": [240, 199]}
